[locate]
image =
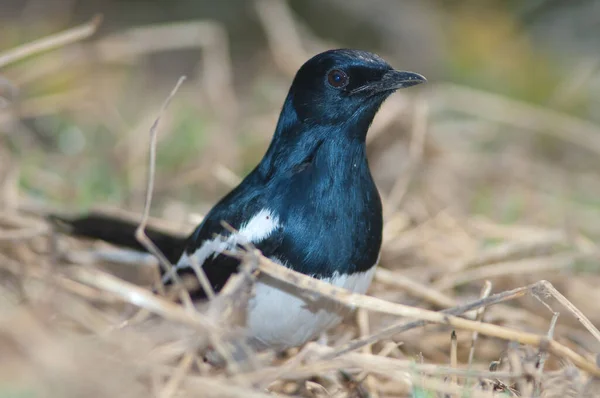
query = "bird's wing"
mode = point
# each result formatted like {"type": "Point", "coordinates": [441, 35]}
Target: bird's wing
{"type": "Point", "coordinates": [253, 223]}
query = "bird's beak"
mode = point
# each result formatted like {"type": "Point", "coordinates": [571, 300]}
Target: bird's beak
{"type": "Point", "coordinates": [391, 81]}
{"type": "Point", "coordinates": [395, 79]}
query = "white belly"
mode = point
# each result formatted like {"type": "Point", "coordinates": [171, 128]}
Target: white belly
{"type": "Point", "coordinates": [280, 319]}
{"type": "Point", "coordinates": [277, 317]}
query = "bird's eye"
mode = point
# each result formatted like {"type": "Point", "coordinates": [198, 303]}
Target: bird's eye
{"type": "Point", "coordinates": [337, 78]}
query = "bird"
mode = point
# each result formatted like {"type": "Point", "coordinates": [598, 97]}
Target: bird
{"type": "Point", "coordinates": [310, 204]}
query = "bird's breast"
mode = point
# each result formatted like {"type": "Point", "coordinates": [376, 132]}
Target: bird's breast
{"type": "Point", "coordinates": [331, 219]}
{"type": "Point", "coordinates": [278, 317]}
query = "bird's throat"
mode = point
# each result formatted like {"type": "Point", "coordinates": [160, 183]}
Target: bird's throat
{"type": "Point", "coordinates": [297, 144]}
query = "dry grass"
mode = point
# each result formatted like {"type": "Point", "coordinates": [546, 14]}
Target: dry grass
{"type": "Point", "coordinates": [461, 306]}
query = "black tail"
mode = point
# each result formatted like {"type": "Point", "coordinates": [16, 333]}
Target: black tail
{"type": "Point", "coordinates": [119, 231]}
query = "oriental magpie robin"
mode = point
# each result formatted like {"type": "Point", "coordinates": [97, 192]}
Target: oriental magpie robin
{"type": "Point", "coordinates": [310, 204]}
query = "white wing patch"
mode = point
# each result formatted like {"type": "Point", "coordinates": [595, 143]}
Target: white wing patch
{"type": "Point", "coordinates": [258, 228]}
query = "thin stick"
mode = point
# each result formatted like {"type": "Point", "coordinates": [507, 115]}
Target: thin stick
{"type": "Point", "coordinates": [513, 251]}
{"type": "Point", "coordinates": [549, 289]}
{"type": "Point", "coordinates": [140, 232]}
{"type": "Point", "coordinates": [362, 320]}
{"type": "Point", "coordinates": [352, 300]}
{"type": "Point", "coordinates": [370, 362]}
{"type": "Point", "coordinates": [454, 355]}
{"type": "Point", "coordinates": [143, 298]}
{"type": "Point", "coordinates": [414, 288]}
{"type": "Point", "coordinates": [550, 334]}
{"type": "Point", "coordinates": [179, 374]}
{"type": "Point", "coordinates": [211, 386]}
{"type": "Point", "coordinates": [485, 292]}
{"type": "Point", "coordinates": [51, 42]}
{"type": "Point", "coordinates": [528, 266]}
{"type": "Point", "coordinates": [26, 229]}
{"type": "Point", "coordinates": [401, 327]}
{"type": "Point", "coordinates": [139, 297]}
{"type": "Point", "coordinates": [515, 365]}
{"type": "Point", "coordinates": [542, 352]}
{"type": "Point", "coordinates": [202, 278]}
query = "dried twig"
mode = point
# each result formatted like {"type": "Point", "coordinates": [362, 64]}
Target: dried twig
{"type": "Point", "coordinates": [140, 297]}
{"type": "Point", "coordinates": [454, 355]}
{"type": "Point", "coordinates": [140, 233]}
{"type": "Point", "coordinates": [414, 288]}
{"type": "Point", "coordinates": [315, 287]}
{"type": "Point", "coordinates": [21, 228]}
{"type": "Point", "coordinates": [485, 292]}
{"type": "Point", "coordinates": [178, 376]}
{"type": "Point", "coordinates": [547, 288]}
{"type": "Point", "coordinates": [514, 250]}
{"type": "Point", "coordinates": [403, 326]}
{"type": "Point", "coordinates": [319, 361]}
{"type": "Point", "coordinates": [543, 354]}
{"type": "Point", "coordinates": [51, 42]}
{"type": "Point", "coordinates": [529, 266]}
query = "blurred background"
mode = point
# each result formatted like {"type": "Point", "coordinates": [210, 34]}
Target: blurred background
{"type": "Point", "coordinates": [512, 104]}
{"type": "Point", "coordinates": [490, 171]}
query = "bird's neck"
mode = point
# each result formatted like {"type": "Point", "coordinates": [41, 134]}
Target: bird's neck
{"type": "Point", "coordinates": [297, 141]}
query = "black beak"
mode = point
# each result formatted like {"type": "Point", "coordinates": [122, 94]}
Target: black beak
{"type": "Point", "coordinates": [391, 81]}
{"type": "Point", "coordinates": [394, 79]}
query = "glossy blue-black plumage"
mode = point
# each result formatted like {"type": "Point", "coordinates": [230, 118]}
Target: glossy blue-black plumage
{"type": "Point", "coordinates": [315, 176]}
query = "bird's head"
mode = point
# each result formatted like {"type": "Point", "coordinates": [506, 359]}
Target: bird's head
{"type": "Point", "coordinates": [341, 85]}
